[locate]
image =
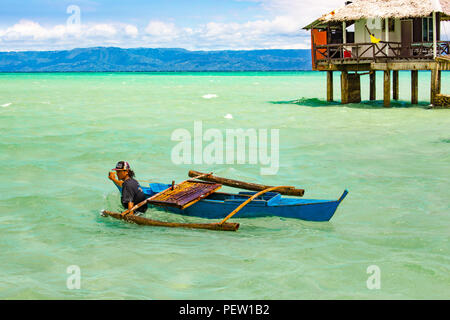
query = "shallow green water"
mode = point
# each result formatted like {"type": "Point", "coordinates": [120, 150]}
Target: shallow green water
{"type": "Point", "coordinates": [61, 133]}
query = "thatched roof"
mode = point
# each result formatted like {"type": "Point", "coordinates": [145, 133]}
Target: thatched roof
{"type": "Point", "coordinates": [367, 9]}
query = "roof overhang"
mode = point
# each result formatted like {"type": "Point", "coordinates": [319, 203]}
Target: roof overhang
{"type": "Point", "coordinates": [393, 9]}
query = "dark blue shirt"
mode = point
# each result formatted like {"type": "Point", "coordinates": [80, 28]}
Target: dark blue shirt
{"type": "Point", "coordinates": [132, 192]}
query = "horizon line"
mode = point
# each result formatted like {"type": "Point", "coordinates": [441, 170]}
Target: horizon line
{"type": "Point", "coordinates": [153, 48]}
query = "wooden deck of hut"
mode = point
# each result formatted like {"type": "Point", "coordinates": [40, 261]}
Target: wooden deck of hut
{"type": "Point", "coordinates": [366, 36]}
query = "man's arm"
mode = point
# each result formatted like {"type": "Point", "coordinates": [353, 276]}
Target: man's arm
{"type": "Point", "coordinates": [130, 206]}
{"type": "Point", "coordinates": [112, 177]}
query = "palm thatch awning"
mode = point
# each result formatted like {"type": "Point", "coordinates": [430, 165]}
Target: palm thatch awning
{"type": "Point", "coordinates": [370, 9]}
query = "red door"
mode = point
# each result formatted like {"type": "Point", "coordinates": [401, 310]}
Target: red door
{"type": "Point", "coordinates": [317, 38]}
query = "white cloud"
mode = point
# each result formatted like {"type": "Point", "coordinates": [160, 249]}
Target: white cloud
{"type": "Point", "coordinates": [131, 30]}
{"type": "Point", "coordinates": [161, 29]}
{"type": "Point", "coordinates": [28, 30]}
{"type": "Point", "coordinates": [305, 11]}
{"type": "Point", "coordinates": [282, 30]}
{"type": "Point", "coordinates": [30, 35]}
{"type": "Point", "coordinates": [100, 30]}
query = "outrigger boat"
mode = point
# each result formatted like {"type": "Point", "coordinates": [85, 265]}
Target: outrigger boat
{"type": "Point", "coordinates": [198, 197]}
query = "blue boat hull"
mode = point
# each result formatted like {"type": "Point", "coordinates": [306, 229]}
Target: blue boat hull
{"type": "Point", "coordinates": [219, 205]}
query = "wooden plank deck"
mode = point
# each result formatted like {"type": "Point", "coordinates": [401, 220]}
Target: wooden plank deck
{"type": "Point", "coordinates": [185, 194]}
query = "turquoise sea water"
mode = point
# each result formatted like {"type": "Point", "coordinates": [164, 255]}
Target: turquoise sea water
{"type": "Point", "coordinates": [61, 133]}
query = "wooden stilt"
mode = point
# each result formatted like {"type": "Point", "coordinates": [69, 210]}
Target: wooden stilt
{"type": "Point", "coordinates": [354, 88]}
{"type": "Point", "coordinates": [329, 86]}
{"type": "Point", "coordinates": [395, 85]}
{"type": "Point", "coordinates": [373, 85]}
{"type": "Point", "coordinates": [439, 84]}
{"type": "Point", "coordinates": [344, 87]}
{"type": "Point", "coordinates": [433, 89]}
{"type": "Point", "coordinates": [387, 88]}
{"type": "Point", "coordinates": [414, 87]}
{"type": "Point", "coordinates": [350, 87]}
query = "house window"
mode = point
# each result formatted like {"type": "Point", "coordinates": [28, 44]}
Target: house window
{"type": "Point", "coordinates": [427, 29]}
{"type": "Point", "coordinates": [391, 25]}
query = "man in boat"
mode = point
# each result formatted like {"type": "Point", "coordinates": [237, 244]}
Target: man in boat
{"type": "Point", "coordinates": [132, 193]}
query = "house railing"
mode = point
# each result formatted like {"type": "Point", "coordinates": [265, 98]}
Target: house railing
{"type": "Point", "coordinates": [378, 51]}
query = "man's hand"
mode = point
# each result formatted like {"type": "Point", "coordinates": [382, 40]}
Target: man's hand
{"type": "Point", "coordinates": [112, 175]}
{"type": "Point", "coordinates": [125, 213]}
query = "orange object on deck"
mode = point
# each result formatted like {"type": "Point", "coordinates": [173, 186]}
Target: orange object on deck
{"type": "Point", "coordinates": [318, 38]}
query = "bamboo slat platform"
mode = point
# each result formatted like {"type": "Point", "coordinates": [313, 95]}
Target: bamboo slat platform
{"type": "Point", "coordinates": [185, 194]}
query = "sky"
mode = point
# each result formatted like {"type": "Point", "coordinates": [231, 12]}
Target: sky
{"type": "Point", "coordinates": [188, 24]}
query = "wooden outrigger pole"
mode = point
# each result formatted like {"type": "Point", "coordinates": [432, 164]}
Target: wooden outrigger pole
{"type": "Point", "coordinates": [288, 191]}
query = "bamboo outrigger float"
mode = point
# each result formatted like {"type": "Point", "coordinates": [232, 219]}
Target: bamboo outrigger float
{"type": "Point", "coordinates": [199, 197]}
{"type": "Point", "coordinates": [155, 223]}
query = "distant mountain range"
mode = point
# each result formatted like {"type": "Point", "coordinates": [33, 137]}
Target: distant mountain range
{"type": "Point", "coordinates": [111, 59]}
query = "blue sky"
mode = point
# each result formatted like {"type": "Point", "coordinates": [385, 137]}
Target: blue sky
{"type": "Point", "coordinates": [132, 11]}
{"type": "Point", "coordinates": [194, 24]}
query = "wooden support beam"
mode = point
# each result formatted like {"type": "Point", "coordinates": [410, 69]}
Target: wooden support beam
{"type": "Point", "coordinates": [387, 88]}
{"type": "Point", "coordinates": [354, 88]}
{"type": "Point", "coordinates": [350, 87]}
{"type": "Point", "coordinates": [344, 87]}
{"type": "Point", "coordinates": [395, 86]}
{"type": "Point", "coordinates": [386, 33]}
{"type": "Point", "coordinates": [434, 35]}
{"type": "Point", "coordinates": [434, 85]}
{"type": "Point", "coordinates": [373, 85]}
{"type": "Point", "coordinates": [329, 86]}
{"type": "Point", "coordinates": [344, 32]}
{"type": "Point", "coordinates": [410, 65]}
{"type": "Point", "coordinates": [439, 84]}
{"type": "Point", "coordinates": [414, 87]}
